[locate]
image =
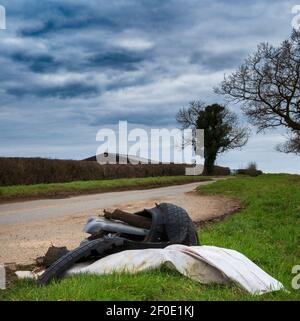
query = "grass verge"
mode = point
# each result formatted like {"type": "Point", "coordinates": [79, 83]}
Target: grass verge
{"type": "Point", "coordinates": [267, 230]}
{"type": "Point", "coordinates": [21, 192]}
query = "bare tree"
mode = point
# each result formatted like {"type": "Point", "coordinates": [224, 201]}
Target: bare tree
{"type": "Point", "coordinates": [221, 129]}
{"type": "Point", "coordinates": [268, 85]}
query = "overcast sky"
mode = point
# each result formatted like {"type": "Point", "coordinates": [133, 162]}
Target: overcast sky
{"type": "Point", "coordinates": [69, 68]}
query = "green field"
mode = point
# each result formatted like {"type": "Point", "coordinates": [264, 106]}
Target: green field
{"type": "Point", "coordinates": [17, 192]}
{"type": "Point", "coordinates": [267, 230]}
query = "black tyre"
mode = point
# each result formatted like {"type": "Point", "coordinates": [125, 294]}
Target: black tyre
{"type": "Point", "coordinates": [92, 248]}
{"type": "Point", "coordinates": [174, 225]}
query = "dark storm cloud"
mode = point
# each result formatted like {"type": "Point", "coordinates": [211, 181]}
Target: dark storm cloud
{"type": "Point", "coordinates": [81, 64]}
{"type": "Point", "coordinates": [56, 16]}
{"type": "Point", "coordinates": [117, 60]}
{"type": "Point", "coordinates": [82, 20]}
{"type": "Point", "coordinates": [46, 63]}
{"type": "Point", "coordinates": [36, 62]}
{"type": "Point", "coordinates": [66, 91]}
{"type": "Point", "coordinates": [129, 43]}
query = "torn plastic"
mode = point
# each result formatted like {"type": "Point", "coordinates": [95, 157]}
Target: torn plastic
{"type": "Point", "coordinates": [95, 225]}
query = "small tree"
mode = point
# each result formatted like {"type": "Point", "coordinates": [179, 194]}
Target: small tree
{"type": "Point", "coordinates": [221, 130]}
{"type": "Point", "coordinates": [251, 169]}
{"type": "Point", "coordinates": [268, 86]}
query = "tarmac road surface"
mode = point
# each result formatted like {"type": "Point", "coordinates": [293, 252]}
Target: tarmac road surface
{"type": "Point", "coordinates": [29, 211]}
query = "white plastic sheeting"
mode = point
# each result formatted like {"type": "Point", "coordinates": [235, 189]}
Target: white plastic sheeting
{"type": "Point", "coordinates": [204, 264]}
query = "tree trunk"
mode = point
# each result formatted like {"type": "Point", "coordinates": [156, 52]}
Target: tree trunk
{"type": "Point", "coordinates": [209, 164]}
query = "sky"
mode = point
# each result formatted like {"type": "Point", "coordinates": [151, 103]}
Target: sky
{"type": "Point", "coordinates": [69, 68]}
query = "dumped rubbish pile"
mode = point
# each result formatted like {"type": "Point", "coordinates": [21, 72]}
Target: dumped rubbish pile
{"type": "Point", "coordinates": [164, 235]}
{"type": "Point", "coordinates": [117, 231]}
